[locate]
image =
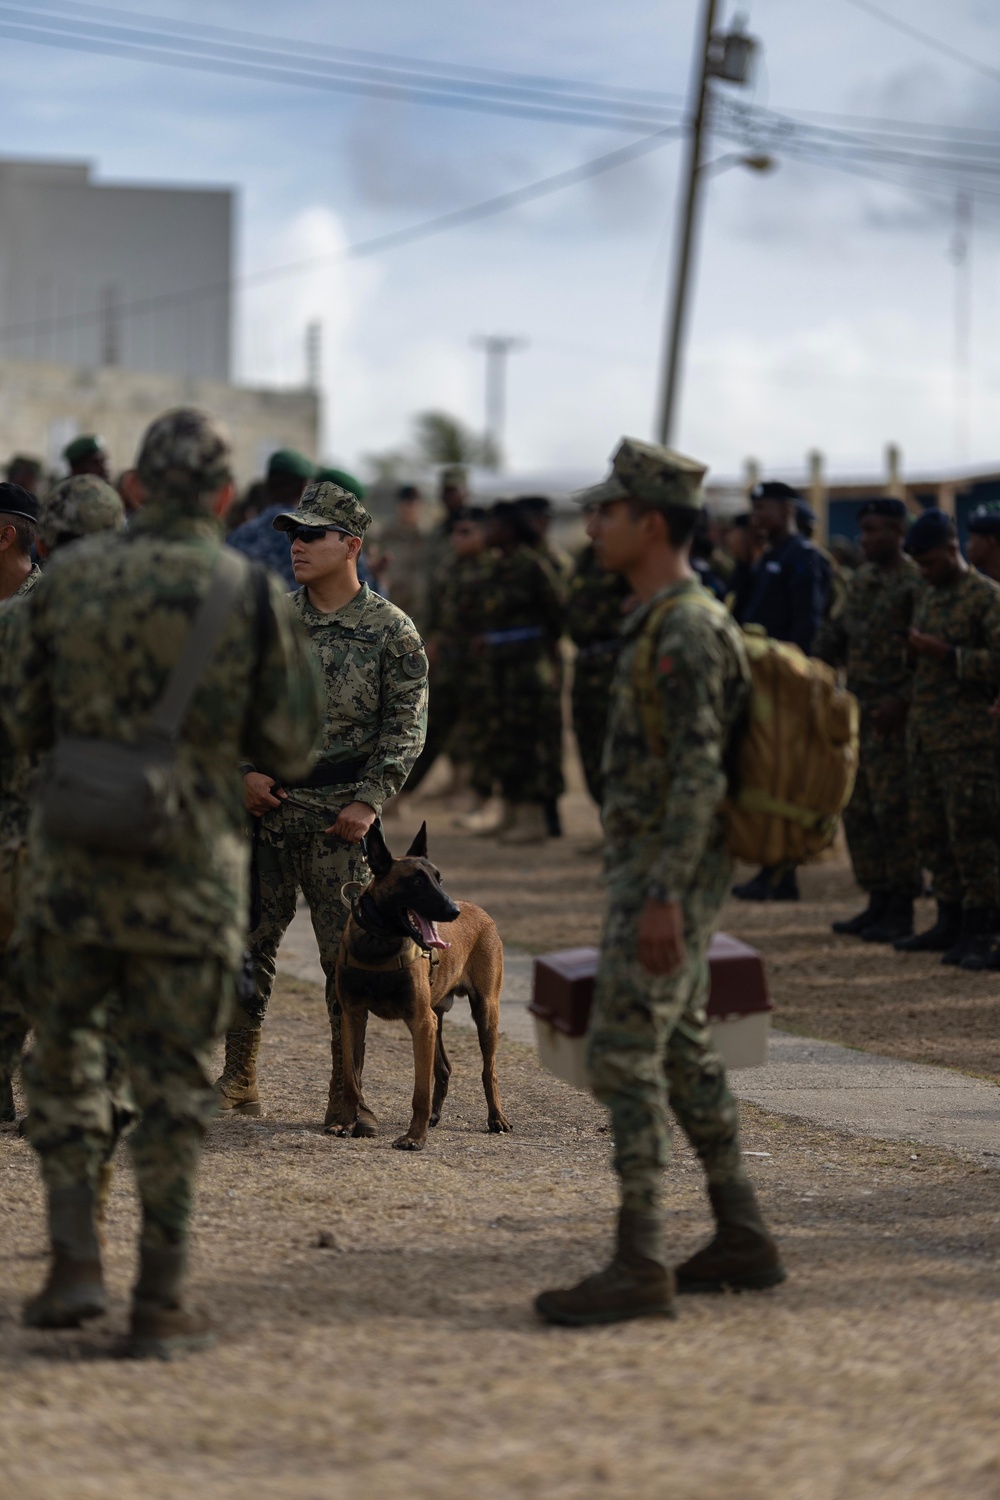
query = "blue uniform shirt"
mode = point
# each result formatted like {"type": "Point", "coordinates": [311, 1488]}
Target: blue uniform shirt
{"type": "Point", "coordinates": [789, 592]}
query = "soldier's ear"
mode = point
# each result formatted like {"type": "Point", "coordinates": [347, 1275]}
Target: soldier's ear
{"type": "Point", "coordinates": [418, 849]}
{"type": "Point", "coordinates": [377, 853]}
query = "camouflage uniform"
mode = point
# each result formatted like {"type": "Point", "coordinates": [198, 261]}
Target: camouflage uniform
{"type": "Point", "coordinates": [594, 617]}
{"type": "Point", "coordinates": [951, 742]}
{"type": "Point", "coordinates": [77, 506]}
{"type": "Point", "coordinates": [523, 619]}
{"type": "Point", "coordinates": [869, 638]}
{"type": "Point", "coordinates": [458, 710]}
{"type": "Point", "coordinates": [164, 931]}
{"type": "Point", "coordinates": [374, 668]}
{"type": "Point", "coordinates": [405, 580]}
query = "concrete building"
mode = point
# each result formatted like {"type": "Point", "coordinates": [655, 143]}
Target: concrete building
{"type": "Point", "coordinates": [99, 274]}
{"type": "Point", "coordinates": [43, 406]}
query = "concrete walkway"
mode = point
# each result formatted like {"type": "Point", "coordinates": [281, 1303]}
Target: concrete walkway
{"type": "Point", "coordinates": [830, 1085]}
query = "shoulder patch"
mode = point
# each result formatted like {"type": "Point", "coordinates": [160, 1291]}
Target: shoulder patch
{"type": "Point", "coordinates": [403, 644]}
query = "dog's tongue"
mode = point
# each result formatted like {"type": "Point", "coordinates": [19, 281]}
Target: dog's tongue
{"type": "Point", "coordinates": [429, 935]}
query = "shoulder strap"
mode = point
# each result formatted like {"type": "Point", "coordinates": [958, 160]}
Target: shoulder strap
{"type": "Point", "coordinates": [223, 587]}
{"type": "Point", "coordinates": [649, 705]}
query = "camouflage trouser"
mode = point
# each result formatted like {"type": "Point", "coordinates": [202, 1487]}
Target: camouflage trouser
{"type": "Point", "coordinates": [954, 808]}
{"type": "Point", "coordinates": [525, 741]}
{"type": "Point", "coordinates": [648, 1047]}
{"type": "Point", "coordinates": [593, 672]}
{"type": "Point", "coordinates": [13, 1025]}
{"type": "Point", "coordinates": [292, 860]}
{"type": "Point", "coordinates": [457, 721]}
{"type": "Point", "coordinates": [170, 1012]}
{"type": "Point", "coordinates": [877, 818]}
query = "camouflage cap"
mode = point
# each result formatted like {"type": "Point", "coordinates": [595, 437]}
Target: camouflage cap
{"type": "Point", "coordinates": [82, 447]}
{"type": "Point", "coordinates": [326, 504]}
{"type": "Point", "coordinates": [645, 471]}
{"type": "Point", "coordinates": [985, 520]}
{"type": "Point", "coordinates": [79, 506]}
{"type": "Point", "coordinates": [184, 454]}
{"type": "Point", "coordinates": [454, 476]}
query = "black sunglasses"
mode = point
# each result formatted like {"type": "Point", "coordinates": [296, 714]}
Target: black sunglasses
{"type": "Point", "coordinates": [312, 533]}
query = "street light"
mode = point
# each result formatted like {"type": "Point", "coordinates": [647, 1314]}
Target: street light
{"type": "Point", "coordinates": [728, 56]}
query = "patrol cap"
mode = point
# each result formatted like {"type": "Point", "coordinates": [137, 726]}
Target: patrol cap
{"type": "Point", "coordinates": [654, 475]}
{"type": "Point", "coordinates": [78, 506]}
{"type": "Point", "coordinates": [83, 447]}
{"type": "Point", "coordinates": [288, 461]}
{"type": "Point", "coordinates": [985, 520]}
{"type": "Point", "coordinates": [892, 510]}
{"type": "Point", "coordinates": [455, 476]}
{"type": "Point", "coordinates": [774, 489]}
{"type": "Point", "coordinates": [184, 454]}
{"type": "Point", "coordinates": [932, 529]}
{"type": "Point", "coordinates": [14, 501]}
{"type": "Point", "coordinates": [345, 480]}
{"type": "Point", "coordinates": [324, 503]}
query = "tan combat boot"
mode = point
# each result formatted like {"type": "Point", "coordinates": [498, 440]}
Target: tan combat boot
{"type": "Point", "coordinates": [488, 819]}
{"type": "Point", "coordinates": [742, 1257]}
{"type": "Point", "coordinates": [161, 1326]}
{"type": "Point", "coordinates": [637, 1284]}
{"type": "Point", "coordinates": [74, 1290]}
{"type": "Point", "coordinates": [236, 1087]}
{"type": "Point", "coordinates": [528, 825]}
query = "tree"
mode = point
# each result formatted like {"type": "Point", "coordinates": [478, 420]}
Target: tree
{"type": "Point", "coordinates": [443, 439]}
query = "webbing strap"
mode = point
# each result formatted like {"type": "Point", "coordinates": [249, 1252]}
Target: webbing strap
{"type": "Point", "coordinates": [203, 632]}
{"type": "Point", "coordinates": [753, 799]}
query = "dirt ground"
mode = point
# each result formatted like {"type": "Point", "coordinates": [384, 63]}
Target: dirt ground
{"type": "Point", "coordinates": [376, 1333]}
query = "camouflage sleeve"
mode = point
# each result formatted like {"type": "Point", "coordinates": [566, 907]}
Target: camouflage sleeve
{"type": "Point", "coordinates": [690, 675]}
{"type": "Point", "coordinates": [550, 594]}
{"type": "Point", "coordinates": [25, 679]}
{"type": "Point", "coordinates": [983, 664]}
{"type": "Point", "coordinates": [830, 644]}
{"type": "Point", "coordinates": [403, 718]}
{"type": "Point", "coordinates": [285, 719]}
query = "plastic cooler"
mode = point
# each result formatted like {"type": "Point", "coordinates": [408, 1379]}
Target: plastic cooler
{"type": "Point", "coordinates": [739, 1007]}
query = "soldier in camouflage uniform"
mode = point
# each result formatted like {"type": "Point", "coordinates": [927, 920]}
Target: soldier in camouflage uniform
{"type": "Point", "coordinates": [162, 931]}
{"type": "Point", "coordinates": [596, 605]}
{"type": "Point", "coordinates": [18, 516]}
{"type": "Point", "coordinates": [951, 742]}
{"type": "Point", "coordinates": [310, 830]}
{"type": "Point", "coordinates": [457, 720]}
{"type": "Point", "coordinates": [869, 638]}
{"type": "Point", "coordinates": [523, 621]}
{"type": "Point", "coordinates": [667, 870]}
{"type": "Point", "coordinates": [77, 507]}
{"type": "Point", "coordinates": [403, 576]}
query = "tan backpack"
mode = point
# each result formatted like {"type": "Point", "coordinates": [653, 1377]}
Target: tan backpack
{"type": "Point", "coordinates": [797, 753]}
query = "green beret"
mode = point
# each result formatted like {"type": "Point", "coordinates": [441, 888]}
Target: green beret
{"type": "Point", "coordinates": [651, 474]}
{"type": "Point", "coordinates": [345, 480]}
{"type": "Point", "coordinates": [287, 461]}
{"type": "Point", "coordinates": [326, 504]}
{"type": "Point", "coordinates": [81, 448]}
{"type": "Point", "coordinates": [79, 506]}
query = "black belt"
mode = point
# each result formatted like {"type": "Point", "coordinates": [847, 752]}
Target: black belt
{"type": "Point", "coordinates": [330, 773]}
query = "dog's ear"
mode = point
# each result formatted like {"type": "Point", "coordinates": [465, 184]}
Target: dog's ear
{"type": "Point", "coordinates": [377, 852]}
{"type": "Point", "coordinates": [418, 849]}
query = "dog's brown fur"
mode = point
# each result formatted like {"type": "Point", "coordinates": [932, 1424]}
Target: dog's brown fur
{"type": "Point", "coordinates": [420, 994]}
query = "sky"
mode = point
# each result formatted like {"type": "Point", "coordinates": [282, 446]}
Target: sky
{"type": "Point", "coordinates": [824, 303]}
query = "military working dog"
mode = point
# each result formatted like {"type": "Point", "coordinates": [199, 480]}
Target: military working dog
{"type": "Point", "coordinates": [394, 962]}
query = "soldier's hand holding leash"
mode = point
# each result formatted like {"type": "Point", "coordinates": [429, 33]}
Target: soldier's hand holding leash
{"type": "Point", "coordinates": [353, 822]}
{"type": "Point", "coordinates": [257, 795]}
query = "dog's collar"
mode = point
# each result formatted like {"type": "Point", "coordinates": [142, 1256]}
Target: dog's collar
{"type": "Point", "coordinates": [368, 917]}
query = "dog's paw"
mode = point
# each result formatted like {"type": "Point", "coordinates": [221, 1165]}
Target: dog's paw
{"type": "Point", "coordinates": [499, 1124]}
{"type": "Point", "coordinates": [434, 1120]}
{"type": "Point", "coordinates": [407, 1143]}
{"type": "Point", "coordinates": [343, 1132]}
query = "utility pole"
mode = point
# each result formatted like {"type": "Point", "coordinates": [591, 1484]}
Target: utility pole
{"type": "Point", "coordinates": [729, 58]}
{"type": "Point", "coordinates": [497, 347]}
{"type": "Point", "coordinates": [960, 255]}
{"type": "Point", "coordinates": [314, 354]}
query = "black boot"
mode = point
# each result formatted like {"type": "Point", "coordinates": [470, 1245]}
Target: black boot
{"type": "Point", "coordinates": [772, 883]}
{"type": "Point", "coordinates": [878, 901]}
{"type": "Point", "coordinates": [637, 1284]}
{"type": "Point", "coordinates": [983, 960]}
{"type": "Point", "coordinates": [939, 938]}
{"type": "Point", "coordinates": [8, 1114]}
{"type": "Point", "coordinates": [742, 1257]}
{"type": "Point", "coordinates": [75, 1288]}
{"type": "Point", "coordinates": [161, 1326]}
{"type": "Point", "coordinates": [896, 921]}
{"type": "Point", "coordinates": [979, 928]}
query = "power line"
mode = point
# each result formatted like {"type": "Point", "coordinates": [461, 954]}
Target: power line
{"type": "Point", "coordinates": [917, 35]}
{"type": "Point", "coordinates": [394, 239]}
